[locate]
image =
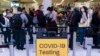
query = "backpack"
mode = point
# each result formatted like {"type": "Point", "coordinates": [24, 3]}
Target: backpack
{"type": "Point", "coordinates": [30, 20]}
{"type": "Point", "coordinates": [17, 21]}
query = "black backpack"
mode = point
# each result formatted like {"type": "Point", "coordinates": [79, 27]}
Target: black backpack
{"type": "Point", "coordinates": [30, 20]}
{"type": "Point", "coordinates": [17, 21]}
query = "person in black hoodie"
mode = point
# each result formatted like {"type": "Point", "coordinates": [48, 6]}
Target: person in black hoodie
{"type": "Point", "coordinates": [74, 24]}
{"type": "Point", "coordinates": [95, 23]}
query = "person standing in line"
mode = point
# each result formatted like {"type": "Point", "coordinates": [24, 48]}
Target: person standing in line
{"type": "Point", "coordinates": [41, 21]}
{"type": "Point", "coordinates": [73, 24]}
{"type": "Point", "coordinates": [5, 29]}
{"type": "Point", "coordinates": [83, 24]}
{"type": "Point", "coordinates": [95, 24]}
{"type": "Point", "coordinates": [29, 25]}
{"type": "Point", "coordinates": [31, 12]}
{"type": "Point", "coordinates": [52, 20]}
{"type": "Point", "coordinates": [19, 34]}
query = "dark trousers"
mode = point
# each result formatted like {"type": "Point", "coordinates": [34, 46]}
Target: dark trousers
{"type": "Point", "coordinates": [95, 37]}
{"type": "Point", "coordinates": [52, 26]}
{"type": "Point", "coordinates": [19, 37]}
{"type": "Point", "coordinates": [72, 30]}
{"type": "Point", "coordinates": [7, 36]}
{"type": "Point", "coordinates": [30, 31]}
{"type": "Point", "coordinates": [71, 41]}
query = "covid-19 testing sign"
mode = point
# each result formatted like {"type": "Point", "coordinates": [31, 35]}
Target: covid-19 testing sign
{"type": "Point", "coordinates": [52, 46]}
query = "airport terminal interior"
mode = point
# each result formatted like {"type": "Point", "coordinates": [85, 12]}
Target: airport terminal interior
{"type": "Point", "coordinates": [63, 19]}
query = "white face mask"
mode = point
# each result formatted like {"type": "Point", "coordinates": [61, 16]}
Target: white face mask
{"type": "Point", "coordinates": [72, 9]}
{"type": "Point", "coordinates": [4, 13]}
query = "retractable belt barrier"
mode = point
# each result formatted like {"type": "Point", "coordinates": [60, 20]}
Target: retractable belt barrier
{"type": "Point", "coordinates": [51, 44]}
{"type": "Point", "coordinates": [11, 47]}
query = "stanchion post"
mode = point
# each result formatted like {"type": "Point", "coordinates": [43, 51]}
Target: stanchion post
{"type": "Point", "coordinates": [1, 43]}
{"type": "Point", "coordinates": [27, 44]}
{"type": "Point", "coordinates": [68, 35]}
{"type": "Point", "coordinates": [11, 47]}
{"type": "Point", "coordinates": [58, 30]}
{"type": "Point", "coordinates": [89, 43]}
{"type": "Point", "coordinates": [34, 38]}
{"type": "Point", "coordinates": [99, 51]}
{"type": "Point", "coordinates": [74, 44]}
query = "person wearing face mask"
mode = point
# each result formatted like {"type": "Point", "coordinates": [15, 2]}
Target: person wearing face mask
{"type": "Point", "coordinates": [51, 21]}
{"type": "Point", "coordinates": [84, 14]}
{"type": "Point", "coordinates": [9, 13]}
{"type": "Point", "coordinates": [82, 24]}
{"type": "Point", "coordinates": [6, 30]}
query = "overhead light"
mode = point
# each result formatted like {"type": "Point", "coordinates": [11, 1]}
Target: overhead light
{"type": "Point", "coordinates": [6, 0]}
{"type": "Point", "coordinates": [91, 0]}
{"type": "Point", "coordinates": [35, 1]}
{"type": "Point", "coordinates": [60, 2]}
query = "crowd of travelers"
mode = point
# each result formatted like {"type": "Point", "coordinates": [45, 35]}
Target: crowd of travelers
{"type": "Point", "coordinates": [85, 21]}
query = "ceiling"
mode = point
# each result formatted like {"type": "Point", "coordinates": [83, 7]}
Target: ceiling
{"type": "Point", "coordinates": [58, 0]}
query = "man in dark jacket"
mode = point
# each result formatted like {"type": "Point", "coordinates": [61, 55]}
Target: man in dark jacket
{"type": "Point", "coordinates": [41, 19]}
{"type": "Point", "coordinates": [19, 33]}
{"type": "Point", "coordinates": [74, 24]}
{"type": "Point", "coordinates": [95, 23]}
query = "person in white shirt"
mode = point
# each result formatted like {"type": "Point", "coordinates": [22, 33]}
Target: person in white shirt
{"type": "Point", "coordinates": [83, 24]}
{"type": "Point", "coordinates": [53, 16]}
{"type": "Point", "coordinates": [86, 17]}
{"type": "Point", "coordinates": [52, 20]}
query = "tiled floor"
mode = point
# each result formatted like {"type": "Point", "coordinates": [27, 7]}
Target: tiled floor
{"type": "Point", "coordinates": [79, 52]}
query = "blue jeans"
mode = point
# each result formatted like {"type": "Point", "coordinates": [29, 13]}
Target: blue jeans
{"type": "Point", "coordinates": [40, 32]}
{"type": "Point", "coordinates": [81, 32]}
